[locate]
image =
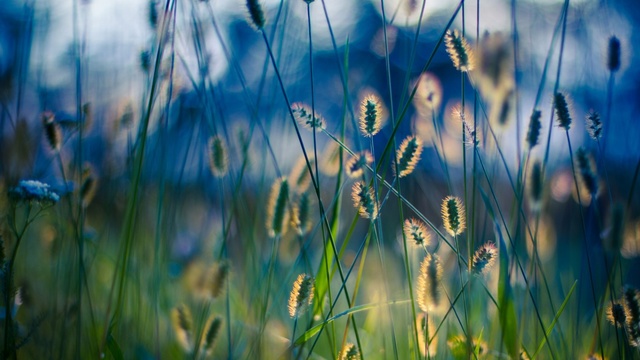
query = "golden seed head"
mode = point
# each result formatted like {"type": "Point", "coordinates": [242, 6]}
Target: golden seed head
{"type": "Point", "coordinates": [219, 275]}
{"type": "Point", "coordinates": [211, 333]}
{"type": "Point", "coordinates": [371, 115]}
{"type": "Point", "coordinates": [218, 158]}
{"type": "Point", "coordinates": [453, 215]}
{"type": "Point", "coordinates": [429, 281]}
{"type": "Point", "coordinates": [459, 51]}
{"type": "Point", "coordinates": [305, 116]}
{"type": "Point", "coordinates": [301, 215]}
{"type": "Point", "coordinates": [89, 185]}
{"type": "Point", "coordinates": [300, 177]}
{"type": "Point", "coordinates": [357, 163]}
{"type": "Point", "coordinates": [616, 314]}
{"type": "Point", "coordinates": [426, 331]}
{"type": "Point", "coordinates": [408, 155]}
{"type": "Point", "coordinates": [183, 326]}
{"type": "Point", "coordinates": [484, 258]}
{"type": "Point", "coordinates": [364, 200]}
{"type": "Point", "coordinates": [416, 231]}
{"type": "Point", "coordinates": [349, 352]}
{"type": "Point", "coordinates": [301, 295]}
{"type": "Point", "coordinates": [277, 214]}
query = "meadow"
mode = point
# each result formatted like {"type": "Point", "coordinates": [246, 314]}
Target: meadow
{"type": "Point", "coordinates": [303, 179]}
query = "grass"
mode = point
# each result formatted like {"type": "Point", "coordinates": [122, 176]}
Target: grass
{"type": "Point", "coordinates": [179, 234]}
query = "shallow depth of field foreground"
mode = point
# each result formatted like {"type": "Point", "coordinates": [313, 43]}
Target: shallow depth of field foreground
{"type": "Point", "coordinates": [300, 179]}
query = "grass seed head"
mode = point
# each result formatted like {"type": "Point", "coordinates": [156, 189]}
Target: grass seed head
{"type": "Point", "coordinates": [277, 214]}
{"type": "Point", "coordinates": [536, 186]}
{"type": "Point", "coordinates": [301, 295]}
{"type": "Point", "coordinates": [408, 155]}
{"type": "Point", "coordinates": [219, 276]}
{"type": "Point", "coordinates": [616, 314]}
{"type": "Point", "coordinates": [211, 334]}
{"type": "Point", "coordinates": [218, 156]}
{"type": "Point", "coordinates": [183, 326]}
{"type": "Point", "coordinates": [533, 134]}
{"type": "Point", "coordinates": [631, 297]}
{"type": "Point", "coordinates": [52, 131]}
{"type": "Point", "coordinates": [428, 93]}
{"type": "Point", "coordinates": [416, 231]}
{"type": "Point", "coordinates": [594, 125]}
{"type": "Point", "coordinates": [371, 115]}
{"type": "Point", "coordinates": [300, 177]}
{"type": "Point", "coordinates": [459, 51]}
{"type": "Point", "coordinates": [357, 163]}
{"type": "Point", "coordinates": [429, 281]}
{"type": "Point", "coordinates": [587, 173]}
{"type": "Point", "coordinates": [613, 58]}
{"type": "Point", "coordinates": [484, 258]}
{"type": "Point", "coordinates": [305, 116]}
{"type": "Point", "coordinates": [562, 110]}
{"type": "Point", "coordinates": [364, 200]}
{"type": "Point", "coordinates": [256, 14]}
{"type": "Point", "coordinates": [89, 185]}
{"type": "Point", "coordinates": [349, 352]}
{"type": "Point", "coordinates": [453, 215]}
{"type": "Point", "coordinates": [301, 215]}
{"type": "Point", "coordinates": [329, 162]}
{"type": "Point", "coordinates": [426, 330]}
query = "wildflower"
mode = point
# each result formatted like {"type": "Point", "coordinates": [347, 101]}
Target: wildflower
{"type": "Point", "coordinates": [459, 51]}
{"type": "Point", "coordinates": [34, 191]}
{"type": "Point", "coordinates": [301, 295]}
{"type": "Point", "coordinates": [453, 215]}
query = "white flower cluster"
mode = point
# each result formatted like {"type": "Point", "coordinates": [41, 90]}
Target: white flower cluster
{"type": "Point", "coordinates": [33, 190]}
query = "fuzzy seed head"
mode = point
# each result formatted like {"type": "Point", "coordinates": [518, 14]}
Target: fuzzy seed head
{"type": "Point", "coordinates": [453, 215]}
{"type": "Point", "coordinates": [587, 173]}
{"type": "Point", "coordinates": [416, 231]}
{"type": "Point", "coordinates": [305, 117]}
{"type": "Point", "coordinates": [218, 157]}
{"type": "Point", "coordinates": [329, 162]}
{"type": "Point", "coordinates": [562, 110]}
{"type": "Point", "coordinates": [616, 314]}
{"type": "Point", "coordinates": [301, 295]}
{"type": "Point", "coordinates": [153, 14]}
{"type": "Point", "coordinates": [536, 186]}
{"type": "Point", "coordinates": [613, 58]}
{"type": "Point", "coordinates": [631, 297]}
{"type": "Point", "coordinates": [89, 185]}
{"type": "Point", "coordinates": [502, 109]}
{"type": "Point", "coordinates": [594, 125]}
{"type": "Point", "coordinates": [459, 51]}
{"type": "Point", "coordinates": [357, 163]}
{"type": "Point", "coordinates": [364, 200]}
{"type": "Point", "coordinates": [484, 258]}
{"type": "Point", "coordinates": [183, 326]}
{"type": "Point", "coordinates": [426, 332]}
{"type": "Point", "coordinates": [211, 334]}
{"type": "Point", "coordinates": [301, 215]}
{"type": "Point", "coordinates": [533, 134]}
{"type": "Point", "coordinates": [408, 155]}
{"type": "Point", "coordinates": [429, 281]}
{"type": "Point", "coordinates": [277, 214]}
{"type": "Point", "coordinates": [428, 93]}
{"type": "Point", "coordinates": [300, 177]}
{"type": "Point", "coordinates": [256, 14]}
{"type": "Point", "coordinates": [219, 275]}
{"type": "Point", "coordinates": [52, 131]}
{"type": "Point", "coordinates": [349, 352]}
{"type": "Point", "coordinates": [371, 116]}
